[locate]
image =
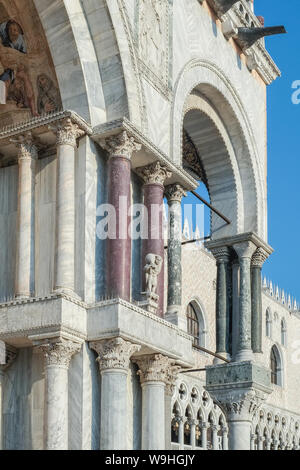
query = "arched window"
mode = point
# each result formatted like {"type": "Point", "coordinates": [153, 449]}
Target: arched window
{"type": "Point", "coordinates": [276, 367]}
{"type": "Point", "coordinates": [268, 324]}
{"type": "Point", "coordinates": [283, 332]}
{"type": "Point", "coordinates": [196, 324]}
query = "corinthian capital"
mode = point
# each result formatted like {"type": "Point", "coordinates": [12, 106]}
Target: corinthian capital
{"type": "Point", "coordinates": [259, 257]}
{"type": "Point", "coordinates": [67, 132]}
{"type": "Point", "coordinates": [157, 368]}
{"type": "Point", "coordinates": [114, 353]}
{"type": "Point", "coordinates": [154, 173]}
{"type": "Point", "coordinates": [175, 192]}
{"type": "Point", "coordinates": [59, 353]}
{"type": "Point", "coordinates": [27, 149]}
{"type": "Point", "coordinates": [121, 145]}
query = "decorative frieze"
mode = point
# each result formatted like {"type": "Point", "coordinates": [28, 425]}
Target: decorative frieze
{"type": "Point", "coordinates": [156, 173]}
{"type": "Point", "coordinates": [114, 353]}
{"type": "Point", "coordinates": [121, 145]}
{"type": "Point", "coordinates": [67, 132]}
{"type": "Point", "coordinates": [59, 353]}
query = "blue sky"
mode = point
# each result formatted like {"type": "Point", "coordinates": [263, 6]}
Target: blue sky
{"type": "Point", "coordinates": [283, 155]}
{"type": "Point", "coordinates": [283, 146]}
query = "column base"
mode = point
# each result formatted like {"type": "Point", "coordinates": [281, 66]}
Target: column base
{"type": "Point", "coordinates": [244, 355]}
{"type": "Point", "coordinates": [217, 360]}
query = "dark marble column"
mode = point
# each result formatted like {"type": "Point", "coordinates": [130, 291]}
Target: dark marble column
{"type": "Point", "coordinates": [222, 256]}
{"type": "Point", "coordinates": [257, 262]}
{"type": "Point", "coordinates": [120, 148]}
{"type": "Point", "coordinates": [174, 194]}
{"type": "Point", "coordinates": [245, 251]}
{"type": "Point", "coordinates": [154, 177]}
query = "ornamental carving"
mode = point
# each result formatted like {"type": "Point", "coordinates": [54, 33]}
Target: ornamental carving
{"type": "Point", "coordinates": [191, 158]}
{"type": "Point", "coordinates": [221, 254]}
{"type": "Point", "coordinates": [27, 149]}
{"type": "Point", "coordinates": [259, 257]}
{"type": "Point", "coordinates": [7, 356]}
{"type": "Point", "coordinates": [153, 35]}
{"type": "Point", "coordinates": [59, 353]}
{"type": "Point", "coordinates": [156, 368]}
{"type": "Point", "coordinates": [175, 192]}
{"type": "Point", "coordinates": [242, 404]}
{"type": "Point", "coordinates": [121, 145]}
{"type": "Point", "coordinates": [67, 132]}
{"type": "Point", "coordinates": [114, 353]}
{"type": "Point", "coordinates": [154, 173]}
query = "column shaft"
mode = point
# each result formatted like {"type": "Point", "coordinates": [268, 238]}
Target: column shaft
{"type": "Point", "coordinates": [174, 194]}
{"type": "Point", "coordinates": [120, 148]}
{"type": "Point", "coordinates": [239, 435]}
{"type": "Point", "coordinates": [153, 416]}
{"type": "Point", "coordinates": [57, 360]}
{"type": "Point", "coordinates": [24, 280]}
{"type": "Point", "coordinates": [114, 359]}
{"type": "Point", "coordinates": [57, 408]}
{"type": "Point", "coordinates": [67, 134]}
{"type": "Point", "coordinates": [256, 321]}
{"type": "Point", "coordinates": [245, 251]}
{"type": "Point", "coordinates": [113, 434]}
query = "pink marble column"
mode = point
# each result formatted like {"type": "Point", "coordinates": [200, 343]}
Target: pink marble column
{"type": "Point", "coordinates": [154, 177]}
{"type": "Point", "coordinates": [120, 148]}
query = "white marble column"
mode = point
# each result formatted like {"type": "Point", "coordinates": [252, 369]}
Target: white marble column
{"type": "Point", "coordinates": [114, 359]}
{"type": "Point", "coordinates": [58, 356]}
{"type": "Point", "coordinates": [215, 442]}
{"type": "Point", "coordinates": [181, 433]}
{"type": "Point", "coordinates": [225, 439]}
{"type": "Point", "coordinates": [10, 356]}
{"type": "Point", "coordinates": [154, 372]}
{"type": "Point", "coordinates": [193, 433]}
{"type": "Point", "coordinates": [204, 436]}
{"type": "Point", "coordinates": [252, 442]}
{"type": "Point", "coordinates": [67, 133]}
{"type": "Point", "coordinates": [169, 391]}
{"type": "Point", "coordinates": [27, 156]}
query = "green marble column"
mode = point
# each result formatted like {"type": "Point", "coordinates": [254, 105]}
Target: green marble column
{"type": "Point", "coordinates": [258, 260]}
{"type": "Point", "coordinates": [245, 251]}
{"type": "Point", "coordinates": [174, 193]}
{"type": "Point", "coordinates": [222, 256]}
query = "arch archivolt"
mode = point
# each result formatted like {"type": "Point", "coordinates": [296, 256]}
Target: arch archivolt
{"type": "Point", "coordinates": [213, 85]}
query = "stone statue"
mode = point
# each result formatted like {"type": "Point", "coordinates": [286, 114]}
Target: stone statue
{"type": "Point", "coordinates": [152, 271]}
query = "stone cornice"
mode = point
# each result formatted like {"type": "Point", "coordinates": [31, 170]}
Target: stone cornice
{"type": "Point", "coordinates": [45, 120]}
{"type": "Point", "coordinates": [240, 238]}
{"type": "Point", "coordinates": [180, 176]}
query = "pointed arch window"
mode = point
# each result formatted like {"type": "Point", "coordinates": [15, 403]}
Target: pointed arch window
{"type": "Point", "coordinates": [196, 324]}
{"type": "Point", "coordinates": [283, 332]}
{"type": "Point", "coordinates": [276, 367]}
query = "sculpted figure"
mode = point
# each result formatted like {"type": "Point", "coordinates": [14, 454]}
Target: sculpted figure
{"type": "Point", "coordinates": [48, 98]}
{"type": "Point", "coordinates": [12, 51]}
{"type": "Point", "coordinates": [152, 271]}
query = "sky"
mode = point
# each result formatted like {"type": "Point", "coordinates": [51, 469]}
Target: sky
{"type": "Point", "coordinates": [283, 153]}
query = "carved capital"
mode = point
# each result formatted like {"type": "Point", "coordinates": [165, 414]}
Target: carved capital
{"type": "Point", "coordinates": [27, 148]}
{"type": "Point", "coordinates": [156, 368]}
{"type": "Point", "coordinates": [221, 254]}
{"type": "Point", "coordinates": [242, 404]}
{"type": "Point", "coordinates": [175, 192]}
{"type": "Point", "coordinates": [121, 145]}
{"type": "Point", "coordinates": [154, 173]}
{"type": "Point", "coordinates": [59, 353]}
{"type": "Point", "coordinates": [259, 257]}
{"type": "Point", "coordinates": [114, 353]}
{"type": "Point", "coordinates": [67, 132]}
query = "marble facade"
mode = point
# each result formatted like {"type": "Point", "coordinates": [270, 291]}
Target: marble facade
{"type": "Point", "coordinates": [85, 365]}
